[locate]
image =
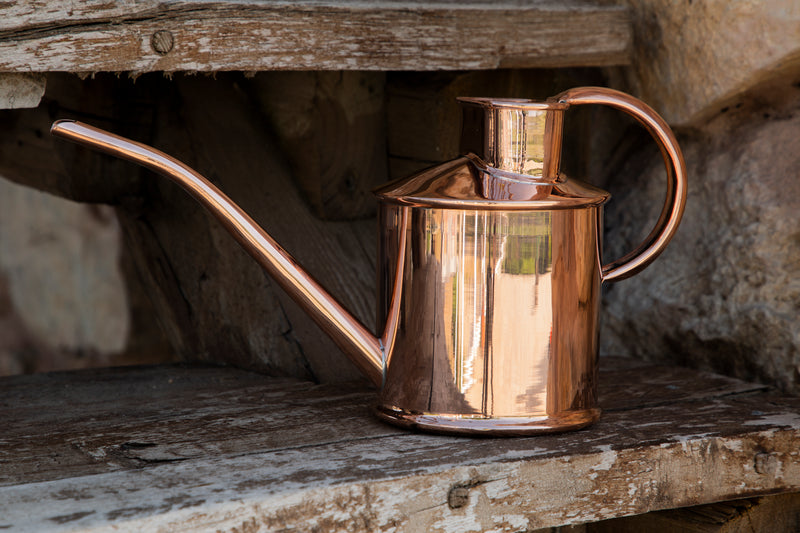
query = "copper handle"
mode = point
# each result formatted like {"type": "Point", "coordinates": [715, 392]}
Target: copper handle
{"type": "Point", "coordinates": [671, 214]}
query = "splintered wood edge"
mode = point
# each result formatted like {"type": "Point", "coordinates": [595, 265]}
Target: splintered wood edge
{"type": "Point", "coordinates": [736, 442]}
{"type": "Point", "coordinates": [41, 36]}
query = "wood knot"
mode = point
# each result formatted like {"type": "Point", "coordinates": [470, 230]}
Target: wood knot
{"type": "Point", "coordinates": [162, 42]}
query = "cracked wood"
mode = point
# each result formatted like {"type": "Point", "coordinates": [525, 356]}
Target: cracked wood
{"type": "Point", "coordinates": [178, 448]}
{"type": "Point", "coordinates": [92, 36]}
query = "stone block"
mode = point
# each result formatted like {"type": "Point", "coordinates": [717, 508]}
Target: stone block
{"type": "Point", "coordinates": [725, 295]}
{"type": "Point", "coordinates": [64, 301]}
{"type": "Point", "coordinates": [21, 90]}
{"type": "Point", "coordinates": [693, 58]}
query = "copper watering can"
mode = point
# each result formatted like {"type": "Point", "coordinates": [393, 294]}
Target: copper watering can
{"type": "Point", "coordinates": [489, 270]}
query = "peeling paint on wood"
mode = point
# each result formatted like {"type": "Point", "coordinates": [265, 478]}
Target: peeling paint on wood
{"type": "Point", "coordinates": [99, 35]}
{"type": "Point", "coordinates": [185, 449]}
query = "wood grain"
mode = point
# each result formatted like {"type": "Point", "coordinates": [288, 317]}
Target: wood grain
{"type": "Point", "coordinates": [332, 129]}
{"type": "Point", "coordinates": [209, 296]}
{"type": "Point", "coordinates": [178, 448]}
{"type": "Point", "coordinates": [252, 35]}
{"type": "Point", "coordinates": [775, 514]}
{"type": "Point", "coordinates": [215, 302]}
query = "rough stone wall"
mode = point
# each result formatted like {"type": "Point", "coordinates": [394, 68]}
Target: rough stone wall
{"type": "Point", "coordinates": [692, 58]}
{"type": "Point", "coordinates": [63, 300]}
{"type": "Point", "coordinates": [726, 294]}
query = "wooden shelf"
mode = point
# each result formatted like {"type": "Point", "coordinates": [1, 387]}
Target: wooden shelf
{"type": "Point", "coordinates": [252, 35]}
{"type": "Point", "coordinates": [208, 448]}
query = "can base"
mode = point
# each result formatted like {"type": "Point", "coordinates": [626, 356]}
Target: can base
{"type": "Point", "coordinates": [508, 426]}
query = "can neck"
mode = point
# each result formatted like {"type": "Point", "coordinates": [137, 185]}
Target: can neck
{"type": "Point", "coordinates": [518, 136]}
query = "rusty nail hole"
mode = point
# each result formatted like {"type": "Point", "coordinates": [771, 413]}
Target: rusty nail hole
{"type": "Point", "coordinates": [458, 497]}
{"type": "Point", "coordinates": [162, 42]}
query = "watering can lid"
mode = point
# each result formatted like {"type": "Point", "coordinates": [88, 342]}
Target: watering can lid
{"type": "Point", "coordinates": [468, 183]}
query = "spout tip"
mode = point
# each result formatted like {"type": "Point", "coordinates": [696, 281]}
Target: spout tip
{"type": "Point", "coordinates": [57, 126]}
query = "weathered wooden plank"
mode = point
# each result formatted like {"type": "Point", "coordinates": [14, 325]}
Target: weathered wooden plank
{"type": "Point", "coordinates": [203, 35]}
{"type": "Point", "coordinates": [148, 415]}
{"type": "Point", "coordinates": [332, 127]}
{"type": "Point", "coordinates": [180, 449]}
{"type": "Point", "coordinates": [214, 299]}
{"type": "Point", "coordinates": [210, 297]}
{"type": "Point", "coordinates": [775, 514]}
{"type": "Point", "coordinates": [146, 409]}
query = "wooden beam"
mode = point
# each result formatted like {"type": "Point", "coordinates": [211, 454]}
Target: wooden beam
{"type": "Point", "coordinates": [250, 35]}
{"type": "Point", "coordinates": [332, 128]}
{"type": "Point", "coordinates": [183, 449]}
{"type": "Point", "coordinates": [210, 297]}
{"type": "Point", "coordinates": [776, 514]}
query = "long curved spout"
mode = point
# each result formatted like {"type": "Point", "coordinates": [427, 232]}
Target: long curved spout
{"type": "Point", "coordinates": [355, 340]}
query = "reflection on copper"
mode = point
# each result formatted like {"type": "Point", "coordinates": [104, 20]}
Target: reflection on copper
{"type": "Point", "coordinates": [489, 271]}
{"type": "Point", "coordinates": [516, 135]}
{"type": "Point", "coordinates": [677, 184]}
{"type": "Point", "coordinates": [498, 320]}
{"type": "Point", "coordinates": [501, 292]}
{"type": "Point", "coordinates": [469, 183]}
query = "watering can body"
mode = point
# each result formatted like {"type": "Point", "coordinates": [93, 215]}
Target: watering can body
{"type": "Point", "coordinates": [498, 319]}
{"type": "Point", "coordinates": [489, 271]}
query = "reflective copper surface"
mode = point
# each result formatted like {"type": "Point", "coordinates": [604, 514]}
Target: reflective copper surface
{"type": "Point", "coordinates": [499, 316]}
{"type": "Point", "coordinates": [677, 185]}
{"type": "Point", "coordinates": [489, 270]}
{"type": "Point", "coordinates": [497, 322]}
{"type": "Point", "coordinates": [465, 183]}
{"type": "Point", "coordinates": [516, 135]}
